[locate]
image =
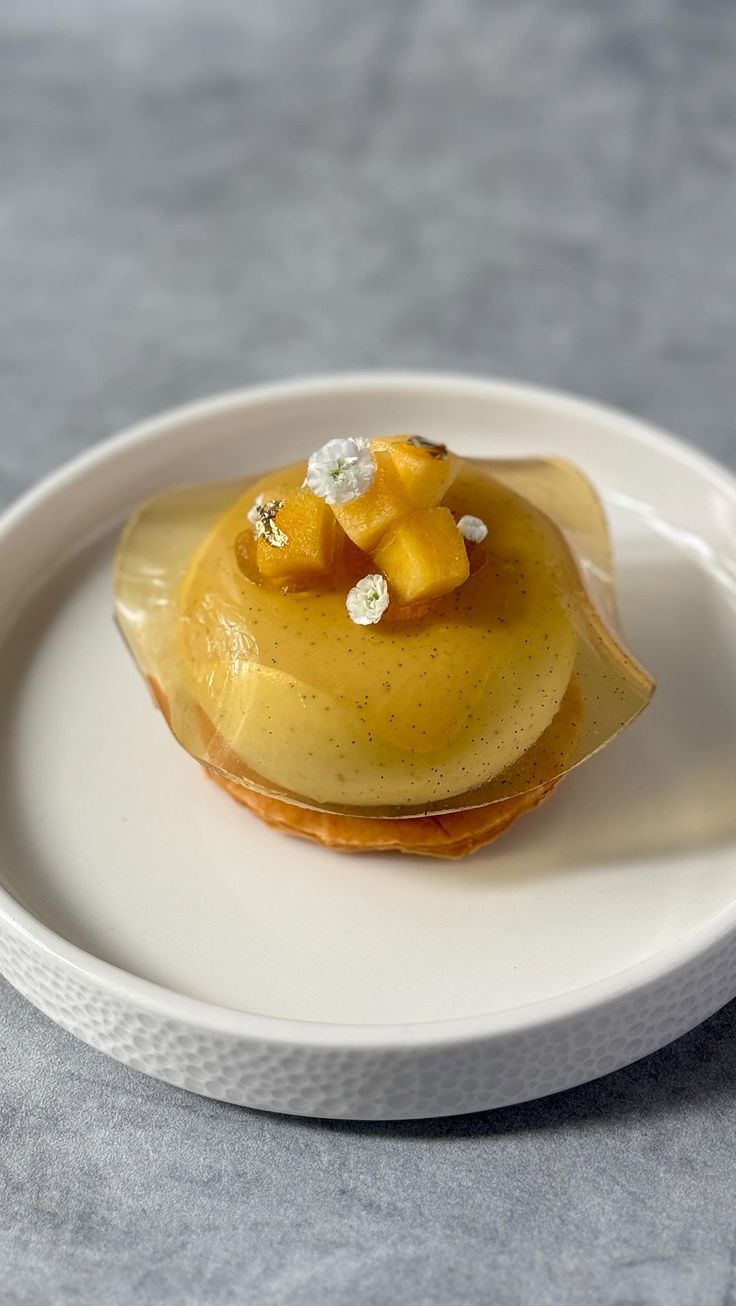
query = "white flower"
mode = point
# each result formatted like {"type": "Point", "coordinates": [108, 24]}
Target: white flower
{"type": "Point", "coordinates": [472, 528]}
{"type": "Point", "coordinates": [253, 514]}
{"type": "Point", "coordinates": [341, 470]}
{"type": "Point", "coordinates": [368, 600]}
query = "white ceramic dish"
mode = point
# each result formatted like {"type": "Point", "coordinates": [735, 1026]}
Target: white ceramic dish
{"type": "Point", "coordinates": [153, 918]}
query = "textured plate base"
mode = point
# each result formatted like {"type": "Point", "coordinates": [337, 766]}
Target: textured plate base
{"type": "Point", "coordinates": [112, 839]}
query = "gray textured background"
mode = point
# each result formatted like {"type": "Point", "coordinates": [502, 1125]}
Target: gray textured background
{"type": "Point", "coordinates": [195, 195]}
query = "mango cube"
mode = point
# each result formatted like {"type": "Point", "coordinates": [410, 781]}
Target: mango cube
{"type": "Point", "coordinates": [367, 518]}
{"type": "Point", "coordinates": [311, 535]}
{"type": "Point", "coordinates": [410, 473]}
{"type": "Point", "coordinates": [426, 470]}
{"type": "Point", "coordinates": [423, 556]}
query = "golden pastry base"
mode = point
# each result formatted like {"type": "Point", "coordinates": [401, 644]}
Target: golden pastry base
{"type": "Point", "coordinates": [452, 835]}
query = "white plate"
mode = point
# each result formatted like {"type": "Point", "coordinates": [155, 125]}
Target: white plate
{"type": "Point", "coordinates": [147, 913]}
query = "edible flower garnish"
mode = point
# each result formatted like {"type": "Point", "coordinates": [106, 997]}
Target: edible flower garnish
{"type": "Point", "coordinates": [341, 470]}
{"type": "Point", "coordinates": [368, 600]}
{"type": "Point", "coordinates": [472, 528]}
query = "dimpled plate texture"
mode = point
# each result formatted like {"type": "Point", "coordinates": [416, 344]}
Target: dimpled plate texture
{"type": "Point", "coordinates": [145, 914]}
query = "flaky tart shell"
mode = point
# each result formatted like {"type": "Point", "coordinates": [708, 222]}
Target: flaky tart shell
{"type": "Point", "coordinates": [452, 835]}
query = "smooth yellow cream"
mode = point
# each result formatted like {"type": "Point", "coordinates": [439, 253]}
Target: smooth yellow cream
{"type": "Point", "coordinates": [452, 704]}
{"type": "Point", "coordinates": [403, 712]}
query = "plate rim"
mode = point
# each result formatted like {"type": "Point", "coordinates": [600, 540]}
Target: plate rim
{"type": "Point", "coordinates": [425, 1035]}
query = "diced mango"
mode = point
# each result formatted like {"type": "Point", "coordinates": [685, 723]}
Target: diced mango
{"type": "Point", "coordinates": [309, 551]}
{"type": "Point", "coordinates": [423, 556]}
{"type": "Point", "coordinates": [368, 517]}
{"type": "Point", "coordinates": [408, 476]}
{"type": "Point", "coordinates": [426, 470]}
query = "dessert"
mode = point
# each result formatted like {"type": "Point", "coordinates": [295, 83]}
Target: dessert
{"type": "Point", "coordinates": [385, 645]}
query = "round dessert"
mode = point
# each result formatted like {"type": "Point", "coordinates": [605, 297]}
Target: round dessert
{"type": "Point", "coordinates": [385, 645]}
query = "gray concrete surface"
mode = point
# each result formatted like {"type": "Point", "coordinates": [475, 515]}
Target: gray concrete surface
{"type": "Point", "coordinates": [195, 195]}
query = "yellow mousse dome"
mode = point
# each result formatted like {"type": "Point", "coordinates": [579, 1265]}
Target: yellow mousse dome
{"type": "Point", "coordinates": [452, 703]}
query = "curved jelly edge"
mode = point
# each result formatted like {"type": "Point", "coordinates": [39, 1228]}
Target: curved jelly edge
{"type": "Point", "coordinates": [612, 639]}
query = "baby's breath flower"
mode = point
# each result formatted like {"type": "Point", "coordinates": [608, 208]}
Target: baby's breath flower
{"type": "Point", "coordinates": [341, 470]}
{"type": "Point", "coordinates": [368, 600]}
{"type": "Point", "coordinates": [472, 528]}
